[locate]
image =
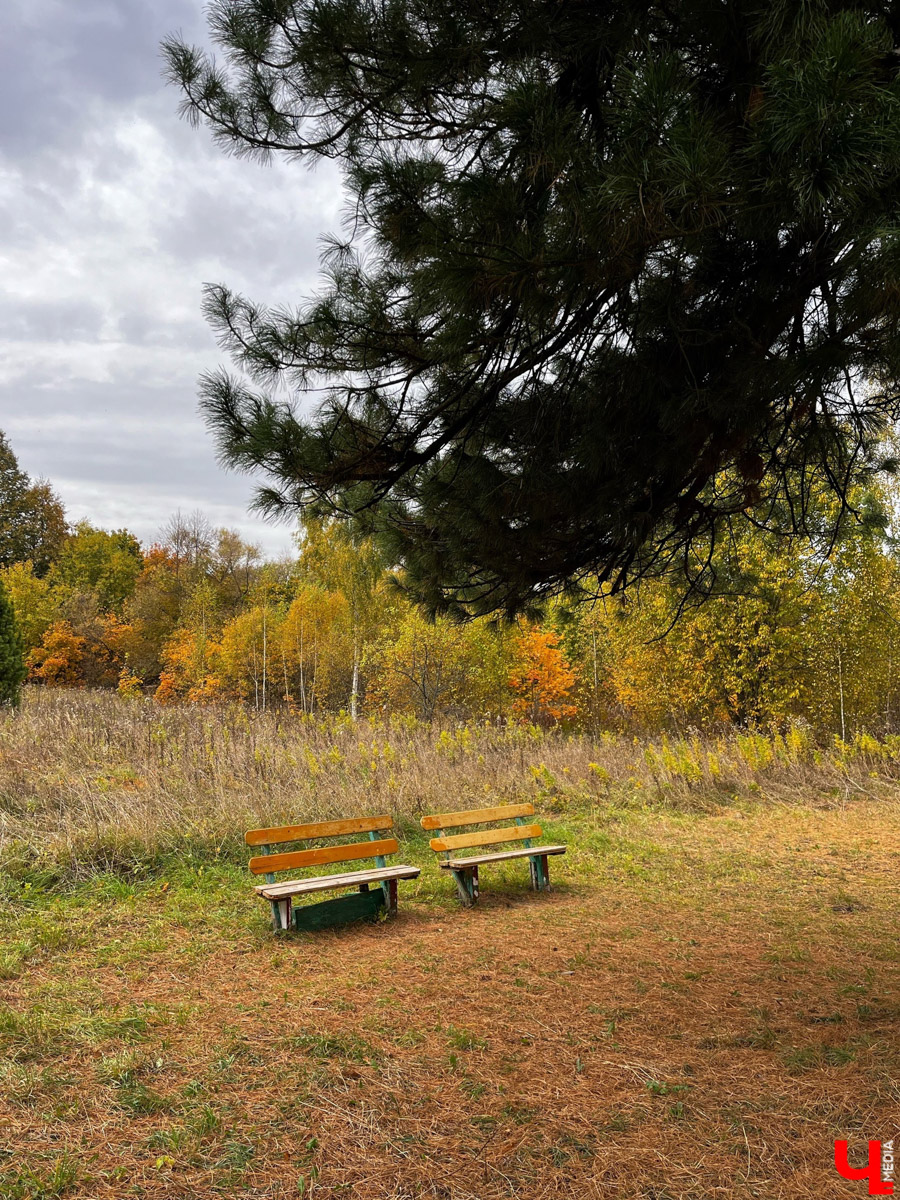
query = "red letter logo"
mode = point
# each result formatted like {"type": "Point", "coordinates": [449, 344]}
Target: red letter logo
{"type": "Point", "coordinates": [877, 1185]}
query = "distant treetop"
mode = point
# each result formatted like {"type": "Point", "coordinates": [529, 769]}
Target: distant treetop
{"type": "Point", "coordinates": [32, 518]}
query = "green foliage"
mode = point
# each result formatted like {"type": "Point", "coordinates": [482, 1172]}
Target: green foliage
{"type": "Point", "coordinates": [787, 633]}
{"type": "Point", "coordinates": [432, 667]}
{"type": "Point", "coordinates": [32, 519]}
{"type": "Point", "coordinates": [102, 562]}
{"type": "Point", "coordinates": [619, 273]}
{"type": "Point", "coordinates": [12, 659]}
{"type": "Point", "coordinates": [34, 601]}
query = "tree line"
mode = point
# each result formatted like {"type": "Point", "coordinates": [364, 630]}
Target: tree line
{"type": "Point", "coordinates": [791, 631]}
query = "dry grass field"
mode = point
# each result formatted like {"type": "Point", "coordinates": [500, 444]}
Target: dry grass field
{"type": "Point", "coordinates": [706, 1000]}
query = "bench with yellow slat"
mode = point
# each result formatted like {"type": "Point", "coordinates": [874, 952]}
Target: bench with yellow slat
{"type": "Point", "coordinates": [357, 905]}
{"type": "Point", "coordinates": [465, 870]}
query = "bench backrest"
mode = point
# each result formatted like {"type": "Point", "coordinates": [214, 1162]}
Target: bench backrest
{"type": "Point", "coordinates": [272, 860]}
{"type": "Point", "coordinates": [520, 831]}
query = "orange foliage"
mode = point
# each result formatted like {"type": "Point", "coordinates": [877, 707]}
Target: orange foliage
{"type": "Point", "coordinates": [212, 688]}
{"type": "Point", "coordinates": [59, 660]}
{"type": "Point", "coordinates": [167, 689]}
{"type": "Point", "coordinates": [160, 556]}
{"type": "Point", "coordinates": [189, 657]}
{"type": "Point", "coordinates": [541, 678]}
{"type": "Point", "coordinates": [115, 635]}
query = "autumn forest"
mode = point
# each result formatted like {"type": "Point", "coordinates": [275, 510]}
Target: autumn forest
{"type": "Point", "coordinates": [794, 631]}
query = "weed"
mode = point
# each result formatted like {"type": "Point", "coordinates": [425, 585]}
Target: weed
{"type": "Point", "coordinates": [520, 1114]}
{"type": "Point", "coordinates": [348, 1046]}
{"type": "Point", "coordinates": [13, 959]}
{"type": "Point", "coordinates": [27, 1085]}
{"type": "Point", "coordinates": [658, 1087]}
{"type": "Point", "coordinates": [28, 1185]}
{"type": "Point", "coordinates": [237, 1156]}
{"type": "Point", "coordinates": [148, 795]}
{"type": "Point", "coordinates": [122, 1072]}
{"type": "Point", "coordinates": [616, 1122]}
{"type": "Point", "coordinates": [177, 1139]}
{"type": "Point", "coordinates": [818, 1055]}
{"type": "Point", "coordinates": [463, 1039]}
{"type": "Point", "coordinates": [408, 1038]}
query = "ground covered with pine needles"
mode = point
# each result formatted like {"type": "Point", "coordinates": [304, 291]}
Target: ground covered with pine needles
{"type": "Point", "coordinates": [700, 1007]}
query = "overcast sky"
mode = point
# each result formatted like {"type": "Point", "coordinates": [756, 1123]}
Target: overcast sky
{"type": "Point", "coordinates": [113, 213]}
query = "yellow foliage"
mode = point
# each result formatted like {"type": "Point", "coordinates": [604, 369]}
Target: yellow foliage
{"type": "Point", "coordinates": [130, 685]}
{"type": "Point", "coordinates": [541, 678]}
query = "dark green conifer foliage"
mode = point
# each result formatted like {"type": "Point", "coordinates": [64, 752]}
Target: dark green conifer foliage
{"type": "Point", "coordinates": [12, 658]}
{"type": "Point", "coordinates": [614, 272]}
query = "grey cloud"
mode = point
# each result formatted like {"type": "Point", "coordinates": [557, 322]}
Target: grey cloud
{"type": "Point", "coordinates": [56, 53]}
{"type": "Point", "coordinates": [49, 320]}
{"type": "Point", "coordinates": [140, 328]}
{"type": "Point", "coordinates": [257, 239]}
{"type": "Point", "coordinates": [136, 469]}
{"type": "Point", "coordinates": [113, 213]}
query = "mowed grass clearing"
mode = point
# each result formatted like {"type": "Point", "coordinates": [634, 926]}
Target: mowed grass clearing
{"type": "Point", "coordinates": [699, 1008]}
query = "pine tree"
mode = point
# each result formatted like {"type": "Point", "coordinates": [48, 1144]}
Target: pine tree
{"type": "Point", "coordinates": [619, 271]}
{"type": "Point", "coordinates": [12, 659]}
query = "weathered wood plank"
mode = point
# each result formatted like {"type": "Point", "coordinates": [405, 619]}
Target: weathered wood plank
{"type": "Point", "coordinates": [477, 816]}
{"type": "Point", "coordinates": [318, 829]}
{"type": "Point", "coordinates": [324, 854]}
{"type": "Point", "coordinates": [324, 883]}
{"type": "Point", "coordinates": [451, 864]}
{"type": "Point", "coordinates": [486, 837]}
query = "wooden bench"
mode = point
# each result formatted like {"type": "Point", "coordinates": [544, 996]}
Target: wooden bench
{"type": "Point", "coordinates": [361, 905]}
{"type": "Point", "coordinates": [465, 870]}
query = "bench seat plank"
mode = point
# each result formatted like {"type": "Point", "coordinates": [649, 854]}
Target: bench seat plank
{"type": "Point", "coordinates": [323, 883]}
{"type": "Point", "coordinates": [453, 864]}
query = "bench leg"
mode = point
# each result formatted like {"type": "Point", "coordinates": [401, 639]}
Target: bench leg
{"type": "Point", "coordinates": [389, 891]}
{"type": "Point", "coordinates": [540, 873]}
{"type": "Point", "coordinates": [281, 914]}
{"type": "Point", "coordinates": [467, 885]}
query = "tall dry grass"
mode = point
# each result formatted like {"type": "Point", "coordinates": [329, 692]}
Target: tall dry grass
{"type": "Point", "coordinates": [89, 780]}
